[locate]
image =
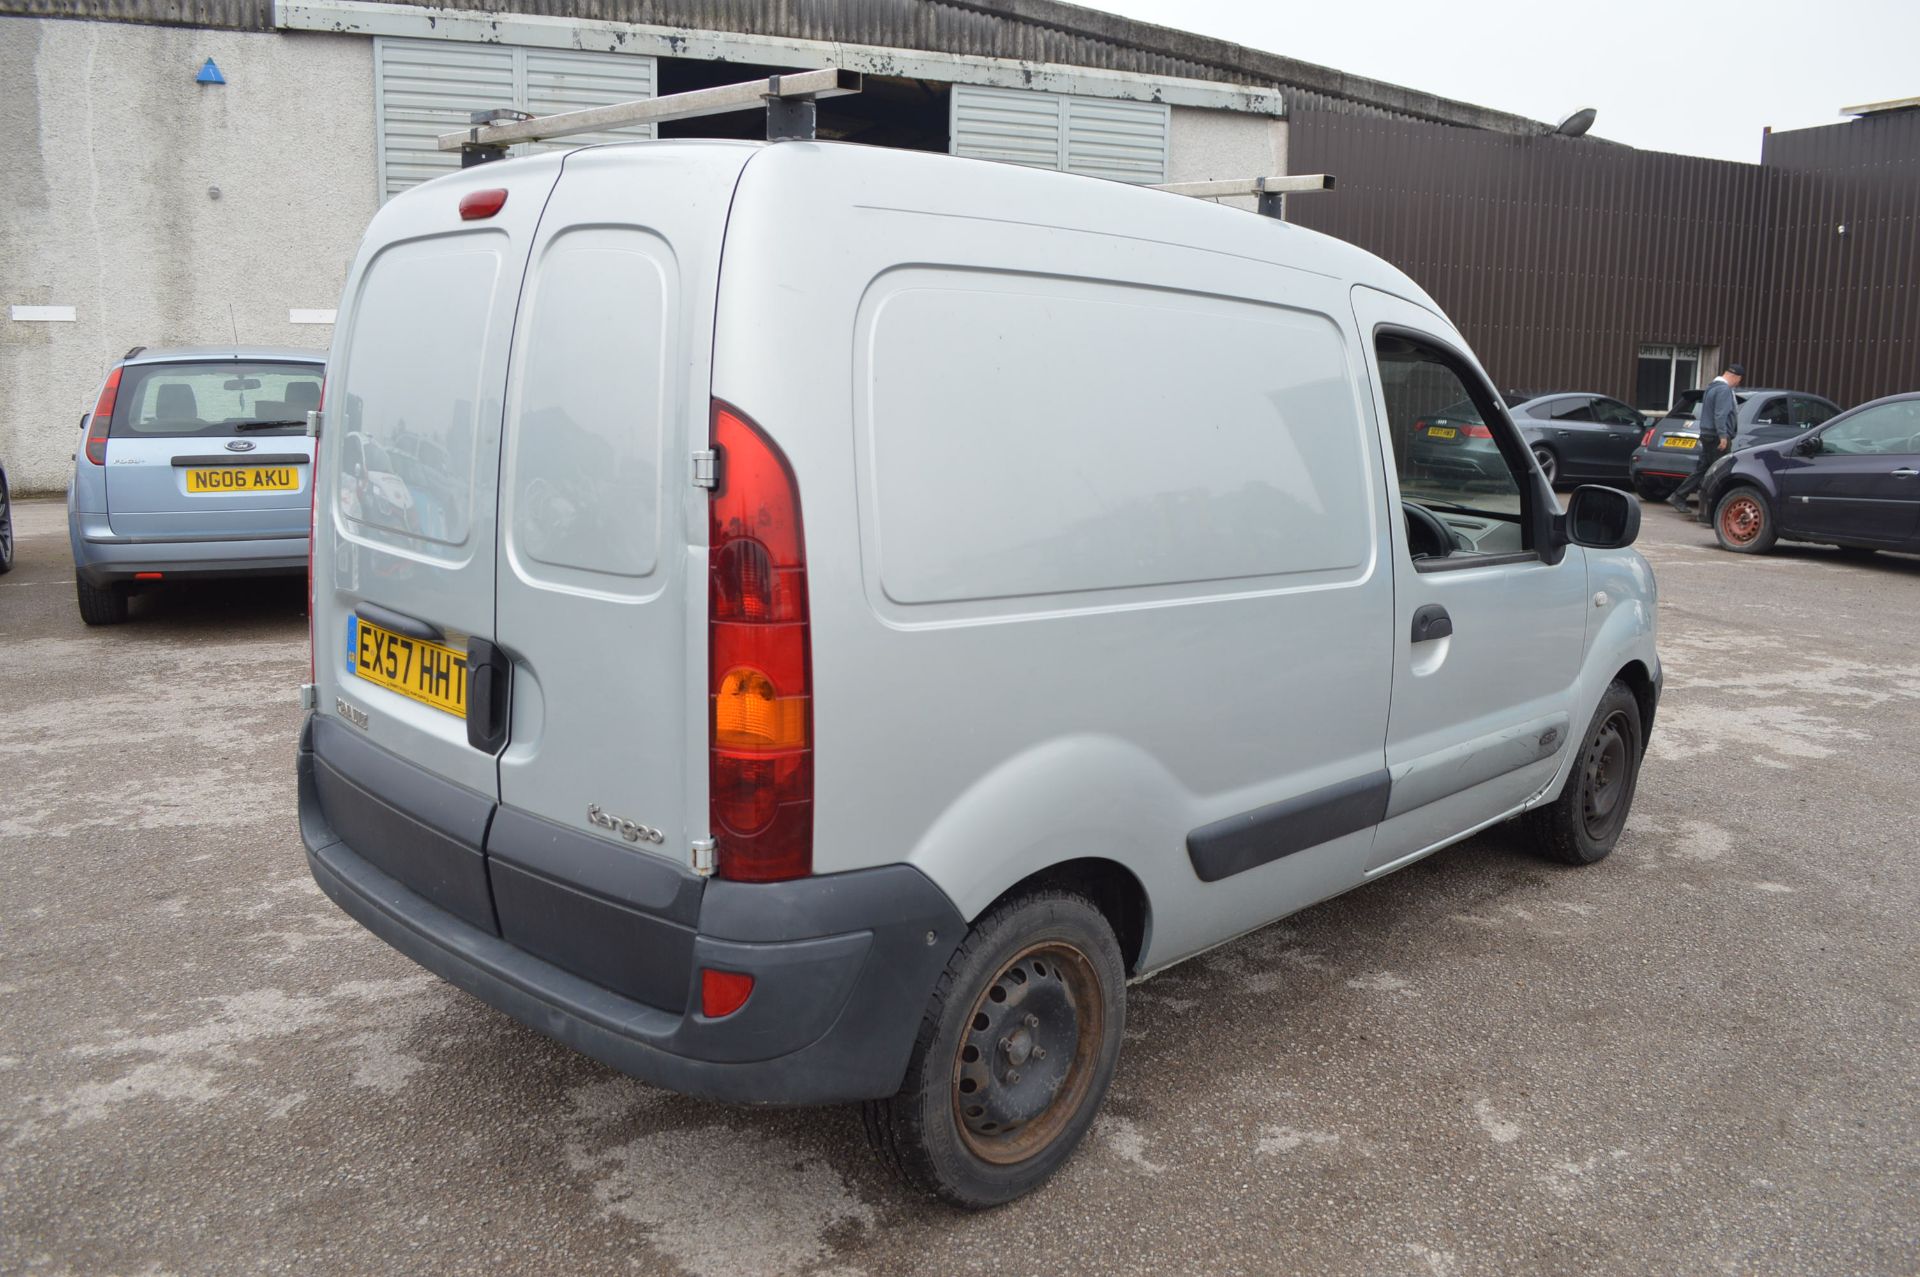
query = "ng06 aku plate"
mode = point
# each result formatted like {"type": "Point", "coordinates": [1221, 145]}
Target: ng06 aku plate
{"type": "Point", "coordinates": [204, 479]}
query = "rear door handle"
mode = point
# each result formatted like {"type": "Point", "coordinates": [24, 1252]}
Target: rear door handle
{"type": "Point", "coordinates": [1431, 622]}
{"type": "Point", "coordinates": [487, 678]}
{"type": "Point", "coordinates": [399, 622]}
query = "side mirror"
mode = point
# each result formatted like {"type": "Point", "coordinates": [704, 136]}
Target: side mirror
{"type": "Point", "coordinates": [1601, 518]}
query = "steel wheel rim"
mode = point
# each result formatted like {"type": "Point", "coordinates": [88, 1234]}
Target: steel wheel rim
{"type": "Point", "coordinates": [1605, 776]}
{"type": "Point", "coordinates": [1547, 467]}
{"type": "Point", "coordinates": [1027, 1057]}
{"type": "Point", "coordinates": [1741, 520]}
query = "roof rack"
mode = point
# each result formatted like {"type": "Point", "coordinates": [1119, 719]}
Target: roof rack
{"type": "Point", "coordinates": [789, 103]}
{"type": "Point", "coordinates": [1270, 192]}
{"type": "Point", "coordinates": [788, 99]}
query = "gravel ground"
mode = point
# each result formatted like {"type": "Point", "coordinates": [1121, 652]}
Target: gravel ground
{"type": "Point", "coordinates": [1699, 1056]}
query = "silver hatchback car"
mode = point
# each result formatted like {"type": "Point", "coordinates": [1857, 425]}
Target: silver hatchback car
{"type": "Point", "coordinates": [193, 463]}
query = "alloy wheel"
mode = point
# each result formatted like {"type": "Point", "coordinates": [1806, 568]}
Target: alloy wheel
{"type": "Point", "coordinates": [1548, 464]}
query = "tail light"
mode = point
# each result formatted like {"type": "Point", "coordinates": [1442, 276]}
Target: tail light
{"type": "Point", "coordinates": [760, 765]}
{"type": "Point", "coordinates": [102, 418]}
{"type": "Point", "coordinates": [1646, 440]}
{"type": "Point", "coordinates": [1476, 432]}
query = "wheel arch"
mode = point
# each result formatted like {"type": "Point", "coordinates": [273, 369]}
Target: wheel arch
{"type": "Point", "coordinates": [1114, 890]}
{"type": "Point", "coordinates": [1639, 680]}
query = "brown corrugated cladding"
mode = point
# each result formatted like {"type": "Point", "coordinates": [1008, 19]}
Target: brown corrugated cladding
{"type": "Point", "coordinates": [1843, 312]}
{"type": "Point", "coordinates": [1557, 257]}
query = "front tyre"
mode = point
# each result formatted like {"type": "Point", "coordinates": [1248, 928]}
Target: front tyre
{"type": "Point", "coordinates": [1743, 521]}
{"type": "Point", "coordinates": [1581, 826]}
{"type": "Point", "coordinates": [6, 527]}
{"type": "Point", "coordinates": [1014, 1054]}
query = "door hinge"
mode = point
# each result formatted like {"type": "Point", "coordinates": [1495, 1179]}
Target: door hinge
{"type": "Point", "coordinates": [314, 419]}
{"type": "Point", "coordinates": [703, 856]}
{"type": "Point", "coordinates": [706, 468]}
{"type": "Point", "coordinates": [309, 696]}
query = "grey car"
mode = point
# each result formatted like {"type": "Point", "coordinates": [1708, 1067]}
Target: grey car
{"type": "Point", "coordinates": [194, 463]}
{"type": "Point", "coordinates": [1668, 452]}
{"type": "Point", "coordinates": [1572, 434]}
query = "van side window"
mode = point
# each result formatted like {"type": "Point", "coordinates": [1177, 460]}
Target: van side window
{"type": "Point", "coordinates": [1455, 452]}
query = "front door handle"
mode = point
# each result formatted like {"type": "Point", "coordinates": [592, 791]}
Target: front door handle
{"type": "Point", "coordinates": [1905, 472]}
{"type": "Point", "coordinates": [1431, 622]}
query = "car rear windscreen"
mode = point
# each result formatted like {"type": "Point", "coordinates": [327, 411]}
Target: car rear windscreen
{"type": "Point", "coordinates": [222, 398]}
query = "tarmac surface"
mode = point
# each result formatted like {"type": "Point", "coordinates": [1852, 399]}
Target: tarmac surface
{"type": "Point", "coordinates": [1700, 1056]}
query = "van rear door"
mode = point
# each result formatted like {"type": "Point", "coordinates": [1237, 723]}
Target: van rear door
{"type": "Point", "coordinates": [410, 460]}
{"type": "Point", "coordinates": [602, 570]}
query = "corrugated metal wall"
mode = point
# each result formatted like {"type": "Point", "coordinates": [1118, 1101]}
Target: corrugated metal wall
{"type": "Point", "coordinates": [1559, 257]}
{"type": "Point", "coordinates": [1024, 30]}
{"type": "Point", "coordinates": [1845, 308]}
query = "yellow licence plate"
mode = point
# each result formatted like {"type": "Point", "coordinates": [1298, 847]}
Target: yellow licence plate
{"type": "Point", "coordinates": [1679, 441]}
{"type": "Point", "coordinates": [1440, 432]}
{"type": "Point", "coordinates": [431, 673]}
{"type": "Point", "coordinates": [243, 479]}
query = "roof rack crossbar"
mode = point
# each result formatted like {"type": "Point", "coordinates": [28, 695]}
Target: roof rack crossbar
{"type": "Point", "coordinates": [1271, 192]}
{"type": "Point", "coordinates": [788, 100]}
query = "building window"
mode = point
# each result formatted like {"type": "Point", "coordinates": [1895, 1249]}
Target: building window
{"type": "Point", "coordinates": [423, 88]}
{"type": "Point", "coordinates": [1099, 137]}
{"type": "Point", "coordinates": [1665, 371]}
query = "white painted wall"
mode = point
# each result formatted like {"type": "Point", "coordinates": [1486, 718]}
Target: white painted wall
{"type": "Point", "coordinates": [1216, 145]}
{"type": "Point", "coordinates": [109, 154]}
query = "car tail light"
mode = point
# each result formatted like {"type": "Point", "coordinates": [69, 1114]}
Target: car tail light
{"type": "Point", "coordinates": [1646, 440]}
{"type": "Point", "coordinates": [760, 766]}
{"type": "Point", "coordinates": [1476, 432]}
{"type": "Point", "coordinates": [478, 205]}
{"type": "Point", "coordinates": [723, 992]}
{"type": "Point", "coordinates": [101, 419]}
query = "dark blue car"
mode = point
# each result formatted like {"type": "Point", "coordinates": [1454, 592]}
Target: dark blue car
{"type": "Point", "coordinates": [1853, 482]}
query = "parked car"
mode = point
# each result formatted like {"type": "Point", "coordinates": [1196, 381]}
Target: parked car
{"type": "Point", "coordinates": [1853, 482]}
{"type": "Point", "coordinates": [1666, 455]}
{"type": "Point", "coordinates": [1047, 604]}
{"type": "Point", "coordinates": [194, 462]}
{"type": "Point", "coordinates": [6, 521]}
{"type": "Point", "coordinates": [1571, 435]}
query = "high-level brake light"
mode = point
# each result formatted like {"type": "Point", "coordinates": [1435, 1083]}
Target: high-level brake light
{"type": "Point", "coordinates": [478, 205]}
{"type": "Point", "coordinates": [760, 769]}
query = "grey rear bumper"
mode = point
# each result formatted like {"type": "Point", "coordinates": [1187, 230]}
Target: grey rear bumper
{"type": "Point", "coordinates": [843, 964]}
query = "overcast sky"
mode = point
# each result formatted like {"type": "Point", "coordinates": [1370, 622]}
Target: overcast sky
{"type": "Point", "coordinates": [1700, 78]}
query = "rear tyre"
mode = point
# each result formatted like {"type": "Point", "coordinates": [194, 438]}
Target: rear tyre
{"type": "Point", "coordinates": [1653, 489]}
{"type": "Point", "coordinates": [1014, 1054]}
{"type": "Point", "coordinates": [1582, 825]}
{"type": "Point", "coordinates": [1743, 521]}
{"type": "Point", "coordinates": [1549, 463]}
{"type": "Point", "coordinates": [100, 605]}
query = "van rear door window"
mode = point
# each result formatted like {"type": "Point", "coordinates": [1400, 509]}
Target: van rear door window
{"type": "Point", "coordinates": [410, 393]}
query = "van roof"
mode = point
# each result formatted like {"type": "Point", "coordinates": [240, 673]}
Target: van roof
{"type": "Point", "coordinates": [878, 176]}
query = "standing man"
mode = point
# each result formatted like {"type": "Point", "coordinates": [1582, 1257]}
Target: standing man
{"type": "Point", "coordinates": [1718, 420]}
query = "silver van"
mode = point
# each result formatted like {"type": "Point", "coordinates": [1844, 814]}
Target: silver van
{"type": "Point", "coordinates": [877, 604]}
